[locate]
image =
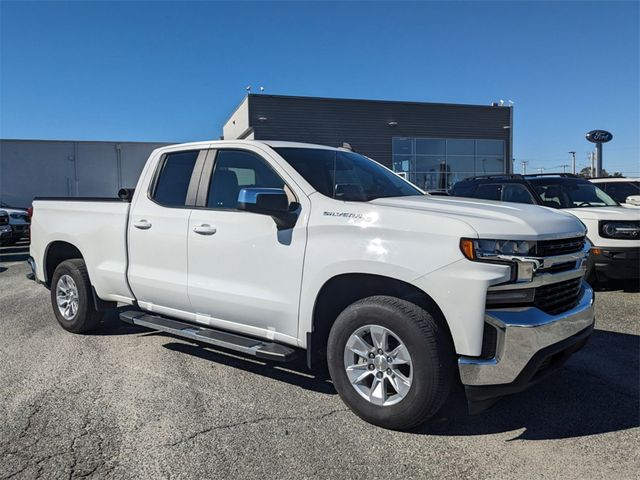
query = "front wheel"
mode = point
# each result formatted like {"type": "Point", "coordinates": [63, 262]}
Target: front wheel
{"type": "Point", "coordinates": [390, 362]}
{"type": "Point", "coordinates": [72, 298]}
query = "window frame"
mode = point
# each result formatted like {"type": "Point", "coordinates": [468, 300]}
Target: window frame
{"type": "Point", "coordinates": [208, 170]}
{"type": "Point", "coordinates": [192, 189]}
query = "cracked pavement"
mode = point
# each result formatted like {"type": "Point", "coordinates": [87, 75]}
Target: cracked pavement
{"type": "Point", "coordinates": [129, 403]}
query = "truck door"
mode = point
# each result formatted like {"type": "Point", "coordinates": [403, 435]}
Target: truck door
{"type": "Point", "coordinates": [244, 274]}
{"type": "Point", "coordinates": [157, 233]}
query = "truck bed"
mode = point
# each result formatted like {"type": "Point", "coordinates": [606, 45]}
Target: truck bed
{"type": "Point", "coordinates": [97, 227]}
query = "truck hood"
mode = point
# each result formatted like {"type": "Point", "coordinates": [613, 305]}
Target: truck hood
{"type": "Point", "coordinates": [496, 220]}
{"type": "Point", "coordinates": [605, 213]}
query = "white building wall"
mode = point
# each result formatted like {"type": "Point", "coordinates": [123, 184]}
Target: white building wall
{"type": "Point", "coordinates": [238, 123]}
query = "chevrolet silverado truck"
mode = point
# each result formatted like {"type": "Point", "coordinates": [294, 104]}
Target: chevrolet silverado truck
{"type": "Point", "coordinates": [274, 248]}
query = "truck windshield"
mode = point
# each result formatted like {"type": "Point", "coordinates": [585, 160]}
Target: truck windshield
{"type": "Point", "coordinates": [346, 175]}
{"type": "Point", "coordinates": [570, 193]}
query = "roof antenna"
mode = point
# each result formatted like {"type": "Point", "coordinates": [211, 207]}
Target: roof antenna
{"type": "Point", "coordinates": [248, 88]}
{"type": "Point", "coordinates": [261, 89]}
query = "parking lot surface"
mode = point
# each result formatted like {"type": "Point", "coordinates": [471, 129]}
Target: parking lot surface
{"type": "Point", "coordinates": [125, 402]}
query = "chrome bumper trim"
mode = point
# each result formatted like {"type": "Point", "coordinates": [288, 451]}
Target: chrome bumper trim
{"type": "Point", "coordinates": [522, 332]}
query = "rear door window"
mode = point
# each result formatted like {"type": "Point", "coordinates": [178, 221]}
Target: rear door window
{"type": "Point", "coordinates": [516, 193]}
{"type": "Point", "coordinates": [488, 191]}
{"type": "Point", "coordinates": [174, 178]}
{"type": "Point", "coordinates": [463, 189]}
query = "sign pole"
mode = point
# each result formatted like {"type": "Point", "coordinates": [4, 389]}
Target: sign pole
{"type": "Point", "coordinates": [599, 159]}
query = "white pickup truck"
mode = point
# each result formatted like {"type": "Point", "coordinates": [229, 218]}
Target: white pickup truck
{"type": "Point", "coordinates": [269, 248]}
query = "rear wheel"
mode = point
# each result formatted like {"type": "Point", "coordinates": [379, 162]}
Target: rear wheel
{"type": "Point", "coordinates": [391, 362]}
{"type": "Point", "coordinates": [72, 298]}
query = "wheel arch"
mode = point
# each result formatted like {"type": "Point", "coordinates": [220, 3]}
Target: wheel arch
{"type": "Point", "coordinates": [342, 290]}
{"type": "Point", "coordinates": [57, 252]}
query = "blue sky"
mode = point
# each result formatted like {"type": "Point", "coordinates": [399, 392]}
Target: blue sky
{"type": "Point", "coordinates": [174, 71]}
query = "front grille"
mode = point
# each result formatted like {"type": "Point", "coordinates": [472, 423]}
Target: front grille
{"type": "Point", "coordinates": [19, 216]}
{"type": "Point", "coordinates": [550, 248]}
{"type": "Point", "coordinates": [558, 297]}
{"type": "Point", "coordinates": [559, 267]}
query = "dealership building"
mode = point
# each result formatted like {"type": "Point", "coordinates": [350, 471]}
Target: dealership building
{"type": "Point", "coordinates": [432, 144]}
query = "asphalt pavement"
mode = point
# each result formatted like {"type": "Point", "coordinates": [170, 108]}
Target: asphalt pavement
{"type": "Point", "coordinates": [125, 402]}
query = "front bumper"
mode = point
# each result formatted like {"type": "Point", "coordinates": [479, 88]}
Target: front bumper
{"type": "Point", "coordinates": [530, 344]}
{"type": "Point", "coordinates": [617, 263]}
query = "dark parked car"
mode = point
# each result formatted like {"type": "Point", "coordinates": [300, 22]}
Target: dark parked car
{"type": "Point", "coordinates": [6, 232]}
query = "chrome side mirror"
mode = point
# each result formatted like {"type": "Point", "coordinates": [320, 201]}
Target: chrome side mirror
{"type": "Point", "coordinates": [269, 201]}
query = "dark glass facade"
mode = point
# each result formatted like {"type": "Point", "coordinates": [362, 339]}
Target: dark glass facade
{"type": "Point", "coordinates": [438, 163]}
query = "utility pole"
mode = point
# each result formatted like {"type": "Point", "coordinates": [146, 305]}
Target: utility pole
{"type": "Point", "coordinates": [564, 168]}
{"type": "Point", "coordinates": [541, 170]}
{"type": "Point", "coordinates": [524, 166]}
{"type": "Point", "coordinates": [573, 162]}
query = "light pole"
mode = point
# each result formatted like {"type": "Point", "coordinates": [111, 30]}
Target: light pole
{"type": "Point", "coordinates": [573, 162]}
{"type": "Point", "coordinates": [524, 166]}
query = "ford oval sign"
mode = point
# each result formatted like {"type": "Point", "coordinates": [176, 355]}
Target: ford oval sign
{"type": "Point", "coordinates": [599, 136]}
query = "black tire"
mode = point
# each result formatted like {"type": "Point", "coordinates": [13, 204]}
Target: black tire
{"type": "Point", "coordinates": [86, 318]}
{"type": "Point", "coordinates": [432, 357]}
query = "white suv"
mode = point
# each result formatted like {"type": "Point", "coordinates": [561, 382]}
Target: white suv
{"type": "Point", "coordinates": [622, 189]}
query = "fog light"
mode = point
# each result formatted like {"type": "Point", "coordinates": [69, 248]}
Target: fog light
{"type": "Point", "coordinates": [510, 297]}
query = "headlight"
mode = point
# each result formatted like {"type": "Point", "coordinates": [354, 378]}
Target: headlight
{"type": "Point", "coordinates": [622, 230]}
{"type": "Point", "coordinates": [505, 252]}
{"type": "Point", "coordinates": [478, 249]}
{"type": "Point", "coordinates": [5, 228]}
